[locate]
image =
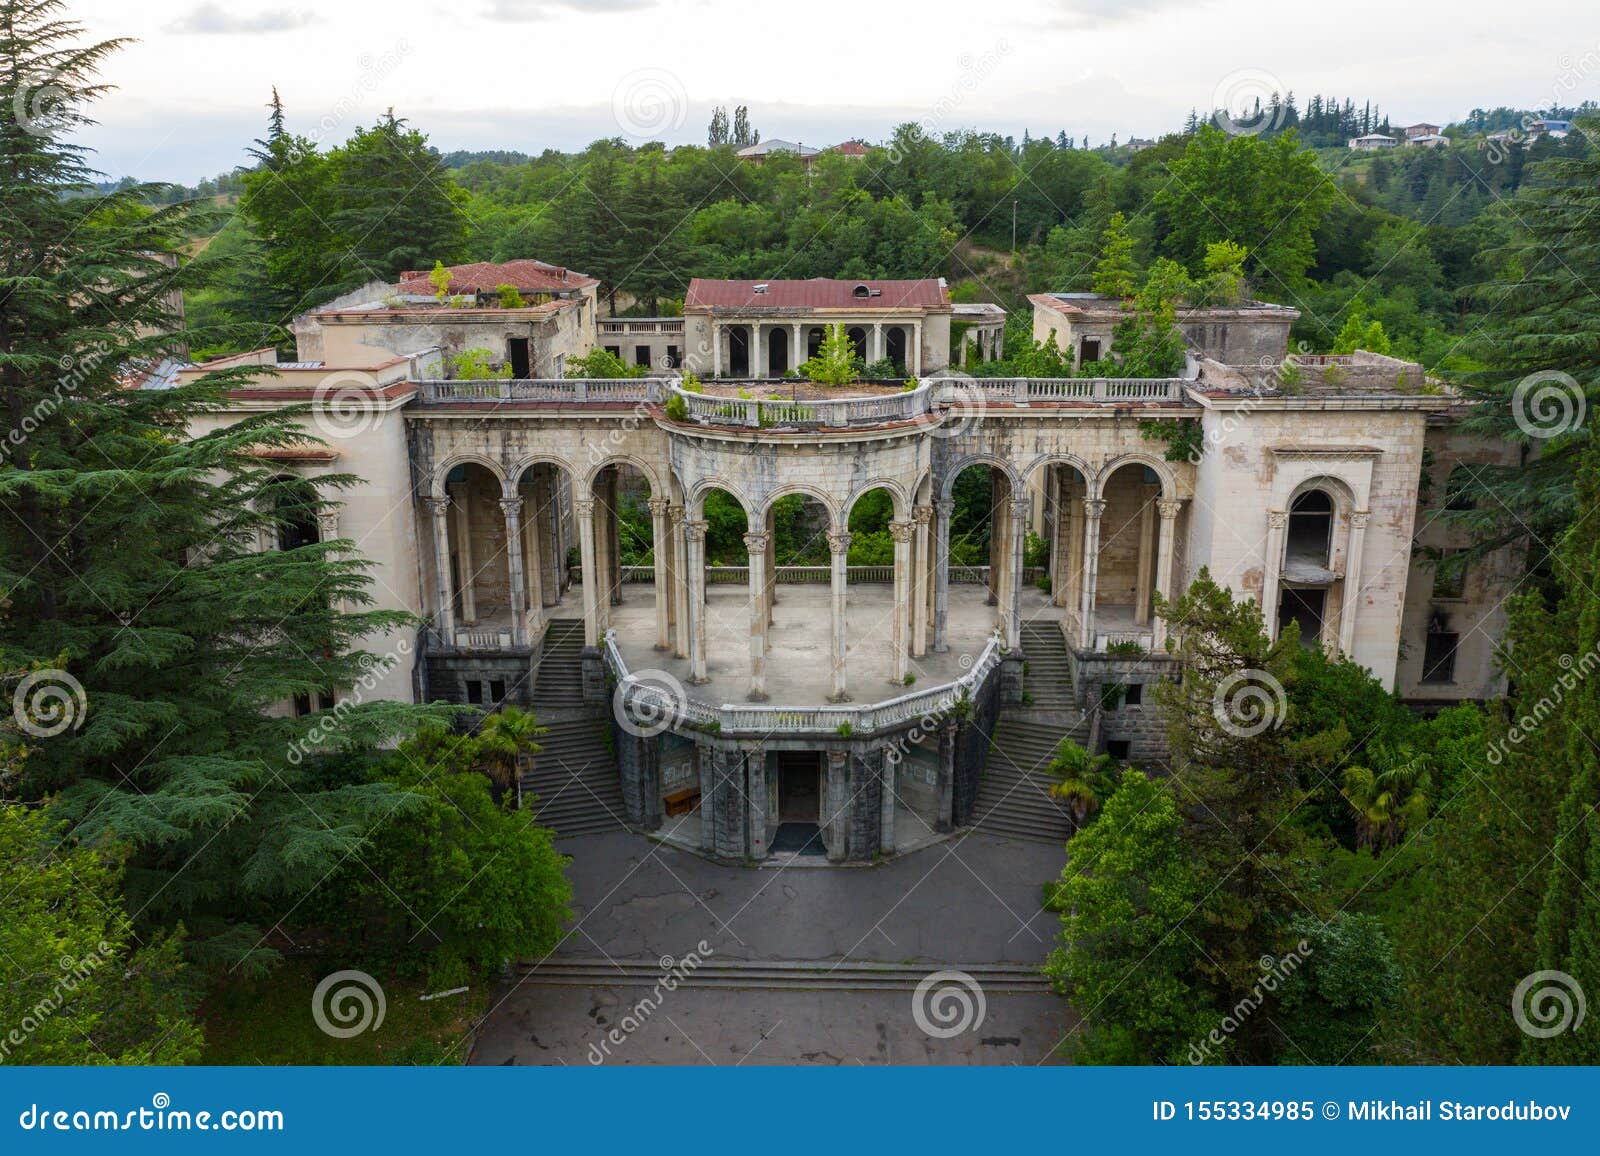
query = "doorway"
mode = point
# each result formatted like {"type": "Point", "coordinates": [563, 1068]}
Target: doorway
{"type": "Point", "coordinates": [799, 787]}
{"type": "Point", "coordinates": [1305, 606]}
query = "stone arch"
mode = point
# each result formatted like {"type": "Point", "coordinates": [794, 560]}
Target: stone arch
{"type": "Point", "coordinates": [695, 500]}
{"type": "Point", "coordinates": [442, 471]}
{"type": "Point", "coordinates": [646, 471]}
{"type": "Point", "coordinates": [1027, 474]}
{"type": "Point", "coordinates": [902, 504]}
{"type": "Point", "coordinates": [962, 464]}
{"type": "Point", "coordinates": [829, 502]}
{"type": "Point", "coordinates": [1341, 492]}
{"type": "Point", "coordinates": [1161, 468]}
{"type": "Point", "coordinates": [515, 474]}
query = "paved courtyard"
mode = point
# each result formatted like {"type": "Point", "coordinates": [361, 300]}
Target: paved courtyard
{"type": "Point", "coordinates": [970, 903]}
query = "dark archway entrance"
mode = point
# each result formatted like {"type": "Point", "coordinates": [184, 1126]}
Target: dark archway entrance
{"type": "Point", "coordinates": [895, 346]}
{"type": "Point", "coordinates": [778, 353]}
{"type": "Point", "coordinates": [739, 352]}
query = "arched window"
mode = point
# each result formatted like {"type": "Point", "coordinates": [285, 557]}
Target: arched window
{"type": "Point", "coordinates": [1310, 530]}
{"type": "Point", "coordinates": [297, 515]}
{"type": "Point", "coordinates": [861, 291]}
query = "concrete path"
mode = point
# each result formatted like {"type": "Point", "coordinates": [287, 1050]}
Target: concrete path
{"type": "Point", "coordinates": [965, 904]}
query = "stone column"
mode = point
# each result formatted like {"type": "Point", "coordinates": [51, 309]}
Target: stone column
{"type": "Point", "coordinates": [694, 532]}
{"type": "Point", "coordinates": [1142, 587]}
{"type": "Point", "coordinates": [1092, 509]}
{"type": "Point", "coordinates": [680, 585]}
{"type": "Point", "coordinates": [1168, 509]}
{"type": "Point", "coordinates": [660, 550]}
{"type": "Point", "coordinates": [772, 572]}
{"type": "Point", "coordinates": [512, 508]}
{"type": "Point", "coordinates": [947, 777]}
{"type": "Point", "coordinates": [941, 575]}
{"type": "Point", "coordinates": [755, 762]}
{"type": "Point", "coordinates": [902, 533]}
{"type": "Point", "coordinates": [1011, 607]}
{"type": "Point", "coordinates": [835, 804]}
{"type": "Point", "coordinates": [914, 354]}
{"type": "Point", "coordinates": [891, 763]}
{"type": "Point", "coordinates": [797, 348]}
{"type": "Point", "coordinates": [583, 509]}
{"type": "Point", "coordinates": [999, 512]}
{"type": "Point", "coordinates": [1352, 581]}
{"type": "Point", "coordinates": [756, 545]}
{"type": "Point", "coordinates": [1075, 549]}
{"type": "Point", "coordinates": [440, 509]}
{"type": "Point", "coordinates": [921, 516]}
{"type": "Point", "coordinates": [877, 342]}
{"type": "Point", "coordinates": [839, 550]}
{"type": "Point", "coordinates": [1277, 523]}
{"type": "Point", "coordinates": [716, 349]}
{"type": "Point", "coordinates": [532, 562]}
{"type": "Point", "coordinates": [469, 603]}
{"type": "Point", "coordinates": [758, 363]}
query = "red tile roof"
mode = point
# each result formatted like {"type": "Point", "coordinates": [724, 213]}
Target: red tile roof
{"type": "Point", "coordinates": [528, 276]}
{"type": "Point", "coordinates": [817, 293]}
{"type": "Point", "coordinates": [851, 148]}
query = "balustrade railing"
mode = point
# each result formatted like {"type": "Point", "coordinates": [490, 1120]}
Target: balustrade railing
{"type": "Point", "coordinates": [575, 390]}
{"type": "Point", "coordinates": [660, 705]}
{"type": "Point", "coordinates": [1031, 390]}
{"type": "Point", "coordinates": [788, 413]}
{"type": "Point", "coordinates": [800, 575]}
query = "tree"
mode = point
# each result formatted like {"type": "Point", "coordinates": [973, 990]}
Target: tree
{"type": "Point", "coordinates": [717, 133]}
{"type": "Point", "coordinates": [835, 362]}
{"type": "Point", "coordinates": [1083, 781]}
{"type": "Point", "coordinates": [506, 737]}
{"type": "Point", "coordinates": [743, 134]}
{"type": "Point", "coordinates": [129, 557]}
{"type": "Point", "coordinates": [1126, 897]}
{"type": "Point", "coordinates": [1114, 272]}
{"type": "Point", "coordinates": [75, 982]}
{"type": "Point", "coordinates": [1148, 343]}
{"type": "Point", "coordinates": [601, 362]}
{"type": "Point", "coordinates": [1329, 1008]}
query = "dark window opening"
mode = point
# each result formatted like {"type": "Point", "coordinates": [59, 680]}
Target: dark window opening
{"type": "Point", "coordinates": [1118, 749]}
{"type": "Point", "coordinates": [1133, 695]}
{"type": "Point", "coordinates": [302, 705]}
{"type": "Point", "coordinates": [672, 357]}
{"type": "Point", "coordinates": [1456, 494]}
{"type": "Point", "coordinates": [1305, 607]}
{"type": "Point", "coordinates": [520, 355]}
{"type": "Point", "coordinates": [297, 518]}
{"type": "Point", "coordinates": [497, 691]}
{"type": "Point", "coordinates": [641, 355]}
{"type": "Point", "coordinates": [1439, 652]}
{"type": "Point", "coordinates": [325, 700]}
{"type": "Point", "coordinates": [1310, 536]}
{"type": "Point", "coordinates": [474, 692]}
{"type": "Point", "coordinates": [1089, 349]}
{"type": "Point", "coordinates": [1449, 578]}
{"type": "Point", "coordinates": [615, 351]}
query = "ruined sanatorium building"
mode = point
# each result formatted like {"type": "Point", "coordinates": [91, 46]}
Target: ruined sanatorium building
{"type": "Point", "coordinates": [754, 710]}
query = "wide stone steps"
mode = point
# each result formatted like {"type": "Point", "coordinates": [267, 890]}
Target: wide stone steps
{"type": "Point", "coordinates": [1013, 794]}
{"type": "Point", "coordinates": [783, 975]}
{"type": "Point", "coordinates": [559, 680]}
{"type": "Point", "coordinates": [574, 786]}
{"type": "Point", "coordinates": [1049, 678]}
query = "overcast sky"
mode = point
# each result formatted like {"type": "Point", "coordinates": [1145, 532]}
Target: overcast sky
{"type": "Point", "coordinates": [532, 74]}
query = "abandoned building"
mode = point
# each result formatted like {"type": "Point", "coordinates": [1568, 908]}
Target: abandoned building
{"type": "Point", "coordinates": [767, 709]}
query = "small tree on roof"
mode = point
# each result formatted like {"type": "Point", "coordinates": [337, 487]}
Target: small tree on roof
{"type": "Point", "coordinates": [835, 362]}
{"type": "Point", "coordinates": [440, 279]}
{"type": "Point", "coordinates": [1114, 272]}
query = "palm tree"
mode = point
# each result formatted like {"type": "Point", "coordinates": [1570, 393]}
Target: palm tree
{"type": "Point", "coordinates": [503, 739]}
{"type": "Point", "coordinates": [1389, 797]}
{"type": "Point", "coordinates": [1083, 781]}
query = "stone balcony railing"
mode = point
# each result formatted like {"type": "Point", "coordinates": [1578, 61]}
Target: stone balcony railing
{"type": "Point", "coordinates": [572, 390]}
{"type": "Point", "coordinates": [1044, 390]}
{"type": "Point", "coordinates": [799, 575]}
{"type": "Point", "coordinates": [768, 412]}
{"type": "Point", "coordinates": [627, 326]}
{"type": "Point", "coordinates": [660, 706]}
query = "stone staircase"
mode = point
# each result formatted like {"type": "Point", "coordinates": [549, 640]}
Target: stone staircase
{"type": "Point", "coordinates": [776, 975]}
{"type": "Point", "coordinates": [573, 785]}
{"type": "Point", "coordinates": [1049, 677]}
{"type": "Point", "coordinates": [1013, 794]}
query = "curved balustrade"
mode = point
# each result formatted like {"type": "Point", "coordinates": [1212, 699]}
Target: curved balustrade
{"type": "Point", "coordinates": [657, 706]}
{"type": "Point", "coordinates": [1042, 390]}
{"type": "Point", "coordinates": [575, 390]}
{"type": "Point", "coordinates": [782, 413]}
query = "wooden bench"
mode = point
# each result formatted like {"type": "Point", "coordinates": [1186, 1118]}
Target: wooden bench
{"type": "Point", "coordinates": [681, 802]}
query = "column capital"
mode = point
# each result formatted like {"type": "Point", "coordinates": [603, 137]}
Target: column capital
{"type": "Point", "coordinates": [1277, 519]}
{"type": "Point", "coordinates": [583, 507]}
{"type": "Point", "coordinates": [439, 507]}
{"type": "Point", "coordinates": [1169, 508]}
{"type": "Point", "coordinates": [1021, 506]}
{"type": "Point", "coordinates": [1359, 519]}
{"type": "Point", "coordinates": [659, 506]}
{"type": "Point", "coordinates": [1094, 507]}
{"type": "Point", "coordinates": [922, 515]}
{"type": "Point", "coordinates": [902, 531]}
{"type": "Point", "coordinates": [839, 541]}
{"type": "Point", "coordinates": [677, 514]}
{"type": "Point", "coordinates": [756, 541]}
{"type": "Point", "coordinates": [328, 524]}
{"type": "Point", "coordinates": [695, 529]}
{"type": "Point", "coordinates": [512, 507]}
{"type": "Point", "coordinates": [945, 506]}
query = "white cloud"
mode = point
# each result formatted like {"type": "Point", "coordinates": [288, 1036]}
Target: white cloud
{"type": "Point", "coordinates": [527, 11]}
{"type": "Point", "coordinates": [214, 20]}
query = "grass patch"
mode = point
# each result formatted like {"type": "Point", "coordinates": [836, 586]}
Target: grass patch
{"type": "Point", "coordinates": [268, 1021]}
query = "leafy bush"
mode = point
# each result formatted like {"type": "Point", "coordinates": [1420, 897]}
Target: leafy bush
{"type": "Point", "coordinates": [477, 365]}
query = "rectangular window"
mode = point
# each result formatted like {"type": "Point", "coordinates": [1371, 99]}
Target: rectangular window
{"type": "Point", "coordinates": [1117, 749]}
{"type": "Point", "coordinates": [1439, 656]}
{"type": "Point", "coordinates": [1448, 581]}
{"type": "Point", "coordinates": [497, 691]}
{"type": "Point", "coordinates": [1089, 349]}
{"type": "Point", "coordinates": [519, 354]}
{"type": "Point", "coordinates": [302, 705]}
{"type": "Point", "coordinates": [615, 351]}
{"type": "Point", "coordinates": [1134, 694]}
{"type": "Point", "coordinates": [325, 700]}
{"type": "Point", "coordinates": [641, 355]}
{"type": "Point", "coordinates": [474, 692]}
{"type": "Point", "coordinates": [672, 357]}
